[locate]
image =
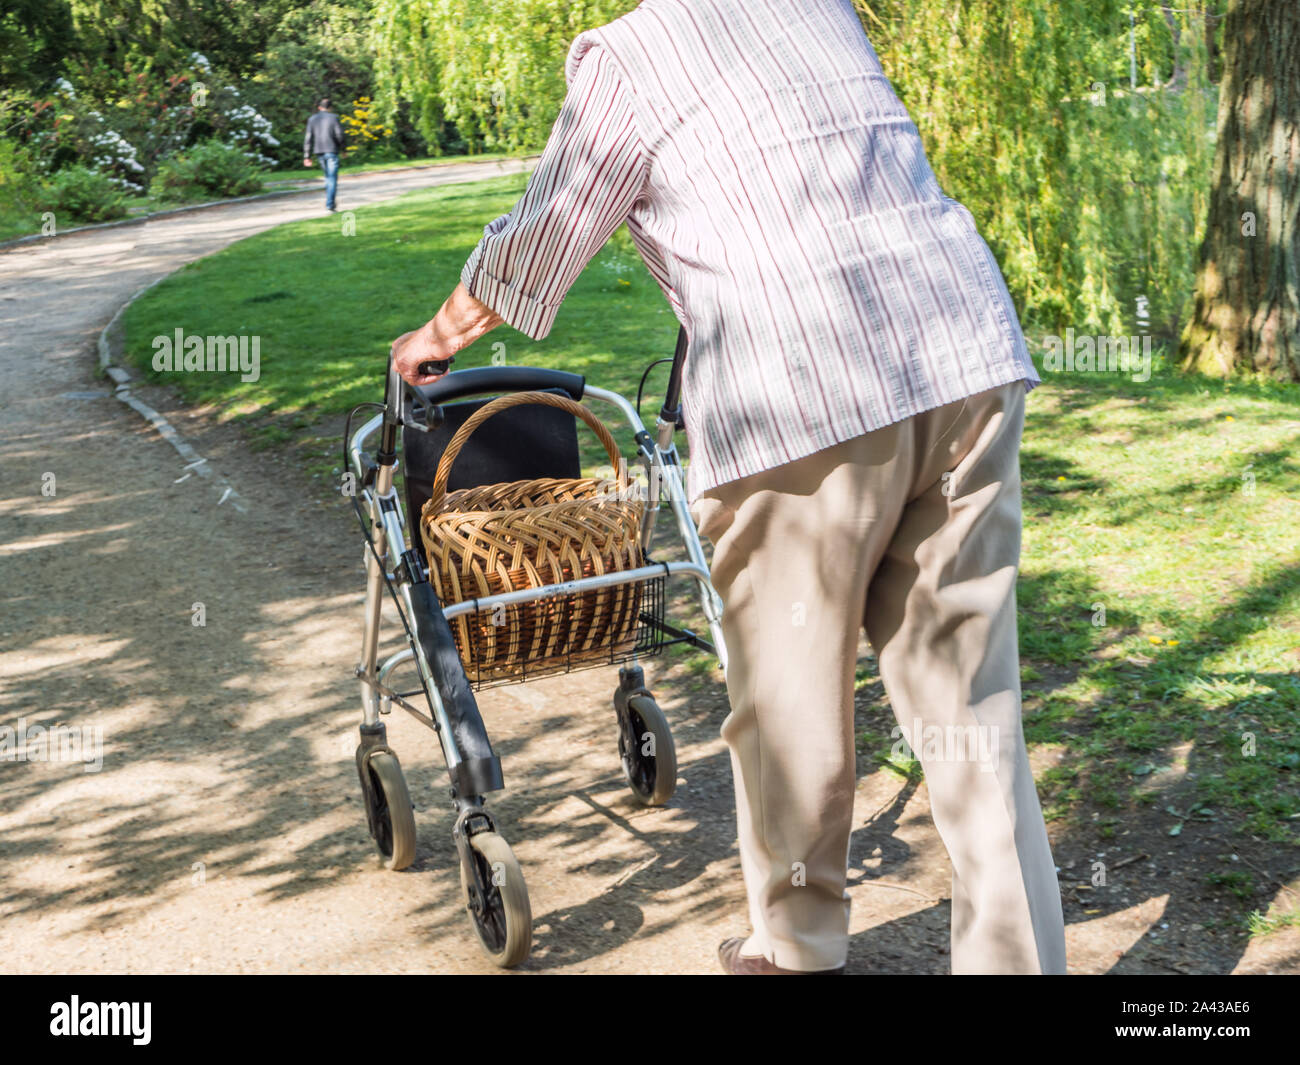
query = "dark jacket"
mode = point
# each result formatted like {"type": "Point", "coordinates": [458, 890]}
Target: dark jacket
{"type": "Point", "coordinates": [324, 134]}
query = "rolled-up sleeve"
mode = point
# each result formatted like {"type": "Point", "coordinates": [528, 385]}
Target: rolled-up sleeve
{"type": "Point", "coordinates": [590, 174]}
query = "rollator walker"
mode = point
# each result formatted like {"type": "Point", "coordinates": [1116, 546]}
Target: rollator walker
{"type": "Point", "coordinates": [413, 428]}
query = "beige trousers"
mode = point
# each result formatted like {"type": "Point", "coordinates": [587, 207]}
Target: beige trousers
{"type": "Point", "coordinates": [913, 531]}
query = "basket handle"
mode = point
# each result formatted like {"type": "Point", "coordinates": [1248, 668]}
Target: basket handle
{"type": "Point", "coordinates": [515, 399]}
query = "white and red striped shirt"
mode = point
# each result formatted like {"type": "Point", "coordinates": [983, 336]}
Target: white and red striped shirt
{"type": "Point", "coordinates": [779, 194]}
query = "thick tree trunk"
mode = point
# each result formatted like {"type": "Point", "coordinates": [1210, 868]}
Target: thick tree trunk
{"type": "Point", "coordinates": [1247, 308]}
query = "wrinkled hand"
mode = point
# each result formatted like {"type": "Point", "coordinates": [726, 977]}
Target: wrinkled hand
{"type": "Point", "coordinates": [461, 321]}
{"type": "Point", "coordinates": [419, 346]}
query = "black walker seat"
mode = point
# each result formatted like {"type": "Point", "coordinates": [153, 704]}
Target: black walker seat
{"type": "Point", "coordinates": [492, 455]}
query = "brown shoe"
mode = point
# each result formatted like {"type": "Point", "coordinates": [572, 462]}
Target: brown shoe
{"type": "Point", "coordinates": [736, 964]}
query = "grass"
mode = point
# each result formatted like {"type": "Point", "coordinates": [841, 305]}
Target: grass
{"type": "Point", "coordinates": [1160, 584]}
{"type": "Point", "coordinates": [1160, 591]}
{"type": "Point", "coordinates": [345, 167]}
{"type": "Point", "coordinates": [19, 221]}
{"type": "Point", "coordinates": [1260, 924]}
{"type": "Point", "coordinates": [325, 326]}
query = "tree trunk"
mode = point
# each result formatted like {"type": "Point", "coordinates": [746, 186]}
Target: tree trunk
{"type": "Point", "coordinates": [1213, 65]}
{"type": "Point", "coordinates": [1247, 308]}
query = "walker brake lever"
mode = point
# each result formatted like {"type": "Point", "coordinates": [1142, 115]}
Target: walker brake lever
{"type": "Point", "coordinates": [420, 416]}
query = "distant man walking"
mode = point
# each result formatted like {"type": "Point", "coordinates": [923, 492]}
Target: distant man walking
{"type": "Point", "coordinates": [324, 138]}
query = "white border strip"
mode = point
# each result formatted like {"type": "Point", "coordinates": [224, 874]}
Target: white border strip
{"type": "Point", "coordinates": [195, 463]}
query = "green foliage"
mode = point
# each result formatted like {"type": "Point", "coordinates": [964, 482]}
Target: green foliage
{"type": "Point", "coordinates": [35, 35]}
{"type": "Point", "coordinates": [479, 75]}
{"type": "Point", "coordinates": [83, 195]}
{"type": "Point", "coordinates": [1090, 194]}
{"type": "Point", "coordinates": [123, 122]}
{"type": "Point", "coordinates": [207, 171]}
{"type": "Point", "coordinates": [317, 50]}
{"type": "Point", "coordinates": [17, 192]}
{"type": "Point", "coordinates": [230, 34]}
{"type": "Point", "coordinates": [68, 128]}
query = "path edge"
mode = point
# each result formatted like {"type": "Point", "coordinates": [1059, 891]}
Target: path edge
{"type": "Point", "coordinates": [110, 342]}
{"type": "Point", "coordinates": [36, 238]}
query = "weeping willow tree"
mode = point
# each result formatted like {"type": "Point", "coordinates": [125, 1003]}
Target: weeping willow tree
{"type": "Point", "coordinates": [486, 73]}
{"type": "Point", "coordinates": [1079, 132]}
{"type": "Point", "coordinates": [1079, 137]}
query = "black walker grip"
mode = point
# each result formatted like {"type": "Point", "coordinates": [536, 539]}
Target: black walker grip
{"type": "Point", "coordinates": [482, 380]}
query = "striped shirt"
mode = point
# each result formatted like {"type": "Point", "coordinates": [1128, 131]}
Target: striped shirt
{"type": "Point", "coordinates": [779, 194]}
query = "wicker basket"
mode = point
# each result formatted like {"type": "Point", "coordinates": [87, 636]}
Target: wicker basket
{"type": "Point", "coordinates": [527, 534]}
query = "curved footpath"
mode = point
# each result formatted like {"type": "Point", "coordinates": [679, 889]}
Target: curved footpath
{"type": "Point", "coordinates": [224, 831]}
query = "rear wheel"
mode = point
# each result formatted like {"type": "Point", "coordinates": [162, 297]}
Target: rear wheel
{"type": "Point", "coordinates": [502, 915]}
{"type": "Point", "coordinates": [648, 754]}
{"type": "Point", "coordinates": [393, 817]}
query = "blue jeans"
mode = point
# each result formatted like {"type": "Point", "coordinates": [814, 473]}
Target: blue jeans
{"type": "Point", "coordinates": [329, 163]}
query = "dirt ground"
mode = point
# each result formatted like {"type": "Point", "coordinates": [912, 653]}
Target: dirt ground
{"type": "Point", "coordinates": [225, 830]}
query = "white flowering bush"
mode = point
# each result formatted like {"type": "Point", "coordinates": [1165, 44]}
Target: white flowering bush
{"type": "Point", "coordinates": [185, 135]}
{"type": "Point", "coordinates": [116, 159]}
{"type": "Point", "coordinates": [250, 132]}
{"type": "Point", "coordinates": [220, 112]}
{"type": "Point", "coordinates": [85, 139]}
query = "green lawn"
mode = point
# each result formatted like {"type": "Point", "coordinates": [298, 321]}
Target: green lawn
{"type": "Point", "coordinates": [301, 173]}
{"type": "Point", "coordinates": [1160, 590]}
{"type": "Point", "coordinates": [327, 305]}
{"type": "Point", "coordinates": [20, 222]}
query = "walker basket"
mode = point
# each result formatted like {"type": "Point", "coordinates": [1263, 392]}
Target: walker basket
{"type": "Point", "coordinates": [517, 535]}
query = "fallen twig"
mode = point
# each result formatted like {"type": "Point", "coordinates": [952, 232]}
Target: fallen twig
{"type": "Point", "coordinates": [896, 887]}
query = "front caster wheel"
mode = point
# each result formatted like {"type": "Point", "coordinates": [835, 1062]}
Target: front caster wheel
{"type": "Point", "coordinates": [392, 818]}
{"type": "Point", "coordinates": [501, 914]}
{"type": "Point", "coordinates": [647, 752]}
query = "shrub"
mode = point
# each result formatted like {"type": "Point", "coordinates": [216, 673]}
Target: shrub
{"type": "Point", "coordinates": [67, 129]}
{"type": "Point", "coordinates": [369, 139]}
{"type": "Point", "coordinates": [15, 181]}
{"type": "Point", "coordinates": [206, 171]}
{"type": "Point", "coordinates": [19, 191]}
{"type": "Point", "coordinates": [83, 195]}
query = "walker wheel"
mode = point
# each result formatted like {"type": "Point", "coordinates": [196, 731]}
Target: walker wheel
{"type": "Point", "coordinates": [394, 817]}
{"type": "Point", "coordinates": [648, 754]}
{"type": "Point", "coordinates": [503, 918]}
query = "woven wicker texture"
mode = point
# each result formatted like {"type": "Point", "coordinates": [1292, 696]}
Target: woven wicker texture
{"type": "Point", "coordinates": [528, 534]}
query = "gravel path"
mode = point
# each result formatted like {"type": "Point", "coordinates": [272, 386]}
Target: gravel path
{"type": "Point", "coordinates": [225, 831]}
